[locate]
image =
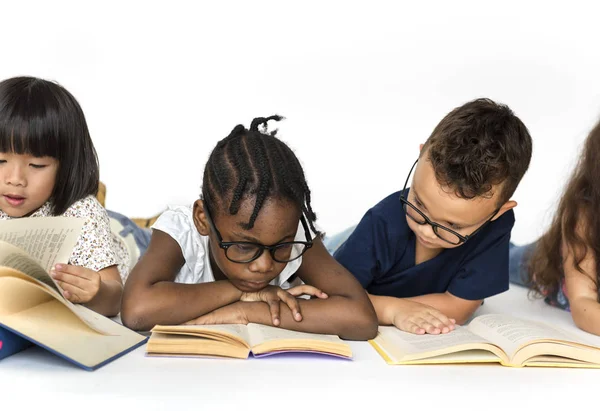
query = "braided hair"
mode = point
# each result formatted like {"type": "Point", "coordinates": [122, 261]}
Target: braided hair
{"type": "Point", "coordinates": [254, 163]}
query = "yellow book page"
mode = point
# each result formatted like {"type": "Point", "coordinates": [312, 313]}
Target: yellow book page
{"type": "Point", "coordinates": [463, 357]}
{"type": "Point", "coordinates": [458, 346]}
{"type": "Point", "coordinates": [553, 362]}
{"type": "Point", "coordinates": [561, 353]}
{"type": "Point", "coordinates": [193, 345]}
{"type": "Point", "coordinates": [233, 333]}
{"type": "Point", "coordinates": [17, 259]}
{"type": "Point", "coordinates": [11, 301]}
{"type": "Point", "coordinates": [264, 339]}
{"type": "Point", "coordinates": [51, 324]}
{"type": "Point", "coordinates": [523, 339]}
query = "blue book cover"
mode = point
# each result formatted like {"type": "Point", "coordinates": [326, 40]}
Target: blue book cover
{"type": "Point", "coordinates": [11, 343]}
{"type": "Point", "coordinates": [19, 342]}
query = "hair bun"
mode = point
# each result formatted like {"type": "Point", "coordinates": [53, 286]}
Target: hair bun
{"type": "Point", "coordinates": [258, 121]}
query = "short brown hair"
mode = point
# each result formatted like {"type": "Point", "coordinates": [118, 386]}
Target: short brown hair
{"type": "Point", "coordinates": [478, 145]}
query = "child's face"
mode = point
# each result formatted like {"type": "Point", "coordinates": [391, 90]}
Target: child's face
{"type": "Point", "coordinates": [442, 206]}
{"type": "Point", "coordinates": [26, 182]}
{"type": "Point", "coordinates": [277, 222]}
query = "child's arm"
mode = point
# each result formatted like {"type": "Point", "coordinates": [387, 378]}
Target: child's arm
{"type": "Point", "coordinates": [450, 305]}
{"type": "Point", "coordinates": [582, 290]}
{"type": "Point", "coordinates": [411, 316]}
{"type": "Point", "coordinates": [346, 312]}
{"type": "Point", "coordinates": [97, 290]}
{"type": "Point", "coordinates": [430, 313]}
{"type": "Point", "coordinates": [151, 297]}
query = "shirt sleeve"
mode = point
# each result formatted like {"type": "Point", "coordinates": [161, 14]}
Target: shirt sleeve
{"type": "Point", "coordinates": [366, 251]}
{"type": "Point", "coordinates": [177, 222]}
{"type": "Point", "coordinates": [94, 248]}
{"type": "Point", "coordinates": [485, 273]}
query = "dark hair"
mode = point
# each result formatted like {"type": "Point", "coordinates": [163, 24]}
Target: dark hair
{"type": "Point", "coordinates": [41, 118]}
{"type": "Point", "coordinates": [478, 145]}
{"type": "Point", "coordinates": [251, 163]}
{"type": "Point", "coordinates": [576, 222]}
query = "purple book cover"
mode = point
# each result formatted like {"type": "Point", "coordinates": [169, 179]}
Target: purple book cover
{"type": "Point", "coordinates": [286, 353]}
{"type": "Point", "coordinates": [301, 352]}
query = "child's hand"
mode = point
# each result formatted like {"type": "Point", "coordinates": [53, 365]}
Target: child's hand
{"type": "Point", "coordinates": [79, 284]}
{"type": "Point", "coordinates": [230, 314]}
{"type": "Point", "coordinates": [418, 318]}
{"type": "Point", "coordinates": [272, 295]}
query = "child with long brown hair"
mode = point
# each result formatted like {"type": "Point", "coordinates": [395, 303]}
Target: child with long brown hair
{"type": "Point", "coordinates": [561, 265]}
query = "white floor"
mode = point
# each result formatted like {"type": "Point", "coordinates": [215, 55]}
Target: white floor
{"type": "Point", "coordinates": [35, 379]}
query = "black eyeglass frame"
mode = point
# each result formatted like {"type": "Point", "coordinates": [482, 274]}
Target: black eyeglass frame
{"type": "Point", "coordinates": [435, 226]}
{"type": "Point", "coordinates": [226, 245]}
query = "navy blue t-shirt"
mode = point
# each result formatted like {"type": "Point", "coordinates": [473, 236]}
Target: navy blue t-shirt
{"type": "Point", "coordinates": [381, 255]}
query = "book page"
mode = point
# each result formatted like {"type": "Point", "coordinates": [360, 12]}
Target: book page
{"type": "Point", "coordinates": [48, 240]}
{"type": "Point", "coordinates": [17, 259]}
{"type": "Point", "coordinates": [238, 331]}
{"type": "Point", "coordinates": [16, 292]}
{"type": "Point", "coordinates": [260, 334]}
{"type": "Point", "coordinates": [409, 343]}
{"type": "Point", "coordinates": [53, 326]}
{"type": "Point", "coordinates": [512, 333]}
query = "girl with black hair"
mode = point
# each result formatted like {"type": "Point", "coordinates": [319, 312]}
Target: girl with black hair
{"type": "Point", "coordinates": [245, 250]}
{"type": "Point", "coordinates": [48, 167]}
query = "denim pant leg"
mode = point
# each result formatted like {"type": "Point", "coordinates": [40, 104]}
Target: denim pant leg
{"type": "Point", "coordinates": [334, 242]}
{"type": "Point", "coordinates": [518, 261]}
{"type": "Point", "coordinates": [141, 235]}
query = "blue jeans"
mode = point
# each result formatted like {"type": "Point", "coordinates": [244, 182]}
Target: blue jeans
{"type": "Point", "coordinates": [140, 235]}
{"type": "Point", "coordinates": [518, 259]}
{"type": "Point", "coordinates": [334, 242]}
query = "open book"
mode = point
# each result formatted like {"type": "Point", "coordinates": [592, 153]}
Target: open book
{"type": "Point", "coordinates": [31, 302]}
{"type": "Point", "coordinates": [491, 338]}
{"type": "Point", "coordinates": [238, 341]}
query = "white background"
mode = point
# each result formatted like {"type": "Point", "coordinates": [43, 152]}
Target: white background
{"type": "Point", "coordinates": [361, 85]}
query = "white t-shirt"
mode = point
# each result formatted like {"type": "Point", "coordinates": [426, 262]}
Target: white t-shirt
{"type": "Point", "coordinates": [178, 222]}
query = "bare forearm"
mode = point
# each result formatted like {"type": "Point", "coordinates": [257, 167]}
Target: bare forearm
{"type": "Point", "coordinates": [453, 307]}
{"type": "Point", "coordinates": [108, 299]}
{"type": "Point", "coordinates": [385, 307]}
{"type": "Point", "coordinates": [335, 315]}
{"type": "Point", "coordinates": [167, 303]}
{"type": "Point", "coordinates": [586, 314]}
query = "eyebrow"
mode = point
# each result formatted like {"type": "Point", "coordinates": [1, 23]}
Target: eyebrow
{"type": "Point", "coordinates": [251, 239]}
{"type": "Point", "coordinates": [448, 222]}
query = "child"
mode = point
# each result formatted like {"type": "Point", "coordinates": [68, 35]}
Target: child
{"type": "Point", "coordinates": [231, 257]}
{"type": "Point", "coordinates": [48, 167]}
{"type": "Point", "coordinates": [429, 255]}
{"type": "Point", "coordinates": [565, 258]}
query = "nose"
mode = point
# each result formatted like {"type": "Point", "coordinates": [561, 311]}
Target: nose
{"type": "Point", "coordinates": [263, 264]}
{"type": "Point", "coordinates": [15, 175]}
{"type": "Point", "coordinates": [426, 231]}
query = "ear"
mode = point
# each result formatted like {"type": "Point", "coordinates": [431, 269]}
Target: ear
{"type": "Point", "coordinates": [420, 147]}
{"type": "Point", "coordinates": [200, 218]}
{"type": "Point", "coordinates": [509, 205]}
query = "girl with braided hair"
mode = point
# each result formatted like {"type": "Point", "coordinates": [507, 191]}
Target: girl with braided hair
{"type": "Point", "coordinates": [246, 250]}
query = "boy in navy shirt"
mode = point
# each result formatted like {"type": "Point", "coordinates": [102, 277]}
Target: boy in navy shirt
{"type": "Point", "coordinates": [428, 255]}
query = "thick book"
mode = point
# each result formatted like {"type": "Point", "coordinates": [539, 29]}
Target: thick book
{"type": "Point", "coordinates": [490, 338]}
{"type": "Point", "coordinates": [11, 343]}
{"type": "Point", "coordinates": [32, 306]}
{"type": "Point", "coordinates": [238, 341]}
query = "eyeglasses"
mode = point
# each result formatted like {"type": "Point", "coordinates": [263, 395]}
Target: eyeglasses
{"type": "Point", "coordinates": [444, 233]}
{"type": "Point", "coordinates": [245, 251]}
